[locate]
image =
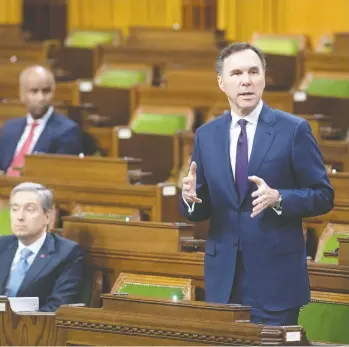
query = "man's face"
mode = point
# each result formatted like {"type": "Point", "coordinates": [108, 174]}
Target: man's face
{"type": "Point", "coordinates": [28, 219]}
{"type": "Point", "coordinates": [37, 92]}
{"type": "Point", "coordinates": [243, 81]}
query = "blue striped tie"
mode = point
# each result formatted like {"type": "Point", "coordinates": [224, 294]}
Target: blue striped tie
{"type": "Point", "coordinates": [18, 273]}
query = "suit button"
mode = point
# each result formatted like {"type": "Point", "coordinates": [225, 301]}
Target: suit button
{"type": "Point", "coordinates": [235, 243]}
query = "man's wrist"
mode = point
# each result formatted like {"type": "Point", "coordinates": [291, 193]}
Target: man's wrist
{"type": "Point", "coordinates": [278, 202]}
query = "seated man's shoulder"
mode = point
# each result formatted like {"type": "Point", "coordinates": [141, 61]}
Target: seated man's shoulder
{"type": "Point", "coordinates": [66, 246]}
{"type": "Point", "coordinates": [64, 122]}
{"type": "Point", "coordinates": [7, 240]}
{"type": "Point", "coordinates": [13, 123]}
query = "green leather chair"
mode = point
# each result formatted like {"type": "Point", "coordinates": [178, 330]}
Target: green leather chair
{"type": "Point", "coordinates": [277, 46]}
{"type": "Point", "coordinates": [328, 87]}
{"type": "Point", "coordinates": [159, 287]}
{"type": "Point", "coordinates": [331, 245]}
{"type": "Point", "coordinates": [326, 321]}
{"type": "Point", "coordinates": [120, 78]}
{"type": "Point", "coordinates": [89, 39]}
{"type": "Point", "coordinates": [153, 291]}
{"type": "Point", "coordinates": [5, 223]}
{"type": "Point", "coordinates": [157, 124]}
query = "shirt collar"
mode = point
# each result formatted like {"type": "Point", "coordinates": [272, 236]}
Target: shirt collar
{"type": "Point", "coordinates": [35, 246]}
{"type": "Point", "coordinates": [43, 120]}
{"type": "Point", "coordinates": [251, 117]}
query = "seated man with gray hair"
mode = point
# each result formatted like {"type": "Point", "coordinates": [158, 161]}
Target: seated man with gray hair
{"type": "Point", "coordinates": [35, 262]}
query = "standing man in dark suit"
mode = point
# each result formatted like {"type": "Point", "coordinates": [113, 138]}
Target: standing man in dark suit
{"type": "Point", "coordinates": [35, 262]}
{"type": "Point", "coordinates": [42, 130]}
{"type": "Point", "coordinates": [255, 172]}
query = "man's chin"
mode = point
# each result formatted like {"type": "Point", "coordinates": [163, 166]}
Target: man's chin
{"type": "Point", "coordinates": [39, 113]}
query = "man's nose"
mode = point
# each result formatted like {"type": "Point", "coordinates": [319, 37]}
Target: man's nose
{"type": "Point", "coordinates": [40, 96]}
{"type": "Point", "coordinates": [20, 214]}
{"type": "Point", "coordinates": [246, 80]}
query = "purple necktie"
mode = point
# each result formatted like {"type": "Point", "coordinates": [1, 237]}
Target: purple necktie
{"type": "Point", "coordinates": [241, 165]}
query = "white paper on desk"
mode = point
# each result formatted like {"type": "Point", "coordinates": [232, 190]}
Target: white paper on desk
{"type": "Point", "coordinates": [24, 304]}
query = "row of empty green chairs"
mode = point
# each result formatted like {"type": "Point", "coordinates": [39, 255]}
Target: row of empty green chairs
{"type": "Point", "coordinates": [5, 224]}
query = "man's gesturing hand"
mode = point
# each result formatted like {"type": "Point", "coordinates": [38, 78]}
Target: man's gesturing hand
{"type": "Point", "coordinates": [189, 185]}
{"type": "Point", "coordinates": [264, 196]}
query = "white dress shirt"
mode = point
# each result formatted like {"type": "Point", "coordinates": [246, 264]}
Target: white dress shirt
{"type": "Point", "coordinates": [37, 131]}
{"type": "Point", "coordinates": [34, 248]}
{"type": "Point", "coordinates": [235, 129]}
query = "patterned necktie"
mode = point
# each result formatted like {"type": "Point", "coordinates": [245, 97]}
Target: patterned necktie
{"type": "Point", "coordinates": [18, 160]}
{"type": "Point", "coordinates": [18, 273]}
{"type": "Point", "coordinates": [241, 165]}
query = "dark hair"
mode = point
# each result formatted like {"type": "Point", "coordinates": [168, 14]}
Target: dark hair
{"type": "Point", "coordinates": [237, 47]}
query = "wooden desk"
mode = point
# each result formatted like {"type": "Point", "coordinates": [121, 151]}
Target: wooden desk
{"type": "Point", "coordinates": [136, 321]}
{"type": "Point", "coordinates": [26, 329]}
{"type": "Point", "coordinates": [72, 168]}
{"type": "Point", "coordinates": [159, 202]}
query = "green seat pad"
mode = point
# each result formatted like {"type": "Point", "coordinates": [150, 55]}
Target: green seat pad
{"type": "Point", "coordinates": [120, 78]}
{"type": "Point", "coordinates": [89, 39]}
{"type": "Point", "coordinates": [166, 124]}
{"type": "Point", "coordinates": [277, 46]}
{"type": "Point", "coordinates": [328, 87]}
{"type": "Point", "coordinates": [153, 290]}
{"type": "Point", "coordinates": [331, 245]}
{"type": "Point", "coordinates": [325, 322]}
{"type": "Point", "coordinates": [5, 223]}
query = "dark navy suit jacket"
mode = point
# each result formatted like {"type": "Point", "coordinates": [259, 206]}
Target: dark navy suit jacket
{"type": "Point", "coordinates": [55, 276]}
{"type": "Point", "coordinates": [286, 156]}
{"type": "Point", "coordinates": [60, 136]}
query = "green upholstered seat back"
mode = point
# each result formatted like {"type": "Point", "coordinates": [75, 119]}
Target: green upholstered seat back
{"type": "Point", "coordinates": [160, 124]}
{"type": "Point", "coordinates": [331, 245]}
{"type": "Point", "coordinates": [89, 39]}
{"type": "Point", "coordinates": [5, 224]}
{"type": "Point", "coordinates": [326, 322]}
{"type": "Point", "coordinates": [153, 290]}
{"type": "Point", "coordinates": [328, 87]}
{"type": "Point", "coordinates": [278, 46]}
{"type": "Point", "coordinates": [120, 78]}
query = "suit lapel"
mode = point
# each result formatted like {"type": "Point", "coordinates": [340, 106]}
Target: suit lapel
{"type": "Point", "coordinates": [41, 260]}
{"type": "Point", "coordinates": [223, 156]}
{"type": "Point", "coordinates": [45, 139]}
{"type": "Point", "coordinates": [16, 134]}
{"type": "Point", "coordinates": [6, 258]}
{"type": "Point", "coordinates": [263, 139]}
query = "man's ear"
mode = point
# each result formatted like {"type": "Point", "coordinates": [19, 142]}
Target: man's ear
{"type": "Point", "coordinates": [220, 83]}
{"type": "Point", "coordinates": [50, 218]}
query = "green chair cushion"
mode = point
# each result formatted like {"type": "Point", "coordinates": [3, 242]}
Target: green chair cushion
{"type": "Point", "coordinates": [325, 322]}
{"type": "Point", "coordinates": [153, 290]}
{"type": "Point", "coordinates": [120, 78]}
{"type": "Point", "coordinates": [5, 223]}
{"type": "Point", "coordinates": [331, 245]}
{"type": "Point", "coordinates": [167, 124]}
{"type": "Point", "coordinates": [89, 39]}
{"type": "Point", "coordinates": [328, 87]}
{"type": "Point", "coordinates": [277, 46]}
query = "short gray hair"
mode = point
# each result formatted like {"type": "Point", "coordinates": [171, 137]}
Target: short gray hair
{"type": "Point", "coordinates": [45, 195]}
{"type": "Point", "coordinates": [234, 48]}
